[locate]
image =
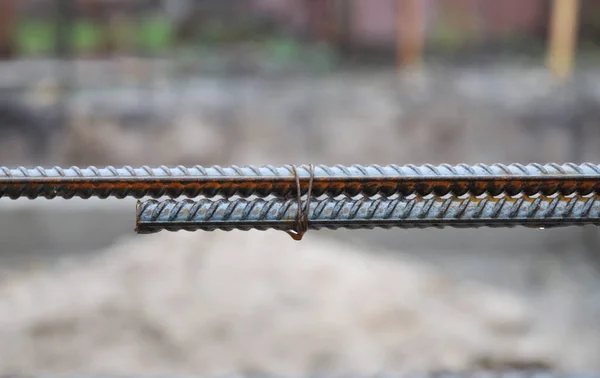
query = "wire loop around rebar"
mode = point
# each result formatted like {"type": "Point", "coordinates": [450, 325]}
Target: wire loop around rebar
{"type": "Point", "coordinates": [302, 217]}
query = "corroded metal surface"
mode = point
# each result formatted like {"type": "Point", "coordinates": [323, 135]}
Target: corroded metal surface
{"type": "Point", "coordinates": [281, 214]}
{"type": "Point", "coordinates": [280, 181]}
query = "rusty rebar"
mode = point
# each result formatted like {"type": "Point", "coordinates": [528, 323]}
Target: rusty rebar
{"type": "Point", "coordinates": [280, 214]}
{"type": "Point", "coordinates": [280, 181]}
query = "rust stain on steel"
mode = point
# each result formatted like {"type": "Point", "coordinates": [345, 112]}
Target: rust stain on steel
{"type": "Point", "coordinates": [286, 187]}
{"type": "Point", "coordinates": [279, 181]}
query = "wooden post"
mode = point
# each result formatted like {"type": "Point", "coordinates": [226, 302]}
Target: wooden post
{"type": "Point", "coordinates": [410, 33]}
{"type": "Point", "coordinates": [563, 37]}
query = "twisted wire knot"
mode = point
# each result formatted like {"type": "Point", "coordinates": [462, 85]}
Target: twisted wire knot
{"type": "Point", "coordinates": [302, 218]}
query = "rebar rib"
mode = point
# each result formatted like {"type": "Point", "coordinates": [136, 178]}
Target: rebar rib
{"type": "Point", "coordinates": [206, 214]}
{"type": "Point", "coordinates": [280, 181]}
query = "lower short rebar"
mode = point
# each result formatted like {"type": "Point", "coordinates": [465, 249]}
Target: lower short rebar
{"type": "Point", "coordinates": [206, 214]}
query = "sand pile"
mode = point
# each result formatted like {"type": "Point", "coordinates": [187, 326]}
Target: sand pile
{"type": "Point", "coordinates": [208, 302]}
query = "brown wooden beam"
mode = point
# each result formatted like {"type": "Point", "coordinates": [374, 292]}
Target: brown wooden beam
{"type": "Point", "coordinates": [564, 25]}
{"type": "Point", "coordinates": [410, 33]}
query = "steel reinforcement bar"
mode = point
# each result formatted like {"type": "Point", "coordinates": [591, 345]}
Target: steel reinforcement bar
{"type": "Point", "coordinates": [500, 373]}
{"type": "Point", "coordinates": [280, 181]}
{"type": "Point", "coordinates": [281, 214]}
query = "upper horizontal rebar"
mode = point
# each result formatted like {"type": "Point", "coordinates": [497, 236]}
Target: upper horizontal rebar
{"type": "Point", "coordinates": [280, 214]}
{"type": "Point", "coordinates": [280, 181]}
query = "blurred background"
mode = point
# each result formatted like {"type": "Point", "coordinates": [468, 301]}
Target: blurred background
{"type": "Point", "coordinates": [168, 82]}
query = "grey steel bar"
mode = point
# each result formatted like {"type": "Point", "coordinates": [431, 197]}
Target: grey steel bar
{"type": "Point", "coordinates": [206, 214]}
{"type": "Point", "coordinates": [509, 373]}
{"type": "Point", "coordinates": [280, 181]}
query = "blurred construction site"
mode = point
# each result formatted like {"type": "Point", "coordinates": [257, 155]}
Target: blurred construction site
{"type": "Point", "coordinates": [186, 82]}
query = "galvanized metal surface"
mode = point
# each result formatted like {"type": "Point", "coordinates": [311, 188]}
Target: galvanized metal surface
{"type": "Point", "coordinates": [475, 374]}
{"type": "Point", "coordinates": [281, 214]}
{"type": "Point", "coordinates": [280, 181]}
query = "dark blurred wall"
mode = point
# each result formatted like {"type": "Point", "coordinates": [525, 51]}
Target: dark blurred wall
{"type": "Point", "coordinates": [373, 22]}
{"type": "Point", "coordinates": [508, 16]}
{"type": "Point", "coordinates": [7, 25]}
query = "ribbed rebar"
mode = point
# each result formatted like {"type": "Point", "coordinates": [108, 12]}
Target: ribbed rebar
{"type": "Point", "coordinates": [506, 373]}
{"type": "Point", "coordinates": [280, 181]}
{"type": "Point", "coordinates": [224, 214]}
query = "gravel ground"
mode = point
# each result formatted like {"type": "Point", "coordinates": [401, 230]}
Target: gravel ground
{"type": "Point", "coordinates": [257, 301]}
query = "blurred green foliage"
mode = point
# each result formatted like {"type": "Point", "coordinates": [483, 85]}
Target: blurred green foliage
{"type": "Point", "coordinates": [282, 49]}
{"type": "Point", "coordinates": [155, 33]}
{"type": "Point", "coordinates": [86, 36]}
{"type": "Point", "coordinates": [258, 43]}
{"type": "Point", "coordinates": [35, 37]}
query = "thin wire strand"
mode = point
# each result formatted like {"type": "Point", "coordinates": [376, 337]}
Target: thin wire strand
{"type": "Point", "coordinates": [302, 217]}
